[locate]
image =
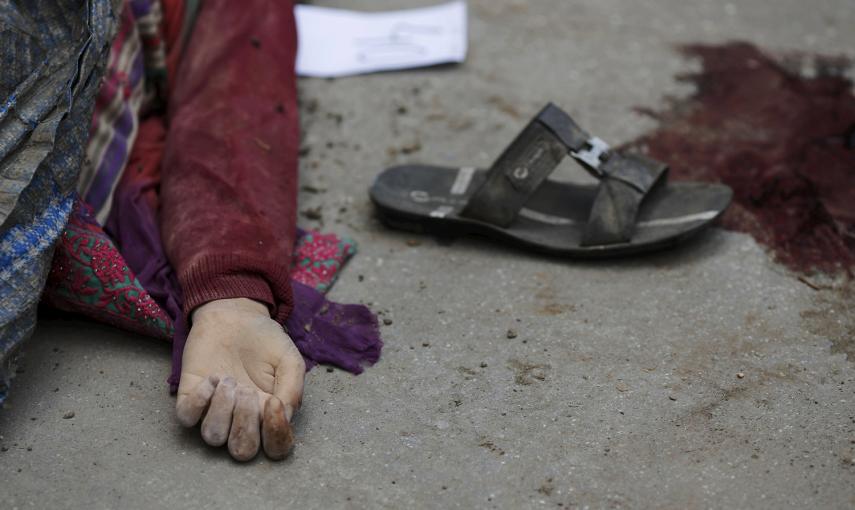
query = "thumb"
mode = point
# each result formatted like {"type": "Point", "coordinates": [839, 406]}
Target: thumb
{"type": "Point", "coordinates": [288, 383]}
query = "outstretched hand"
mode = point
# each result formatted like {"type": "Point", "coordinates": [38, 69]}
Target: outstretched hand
{"type": "Point", "coordinates": [242, 376]}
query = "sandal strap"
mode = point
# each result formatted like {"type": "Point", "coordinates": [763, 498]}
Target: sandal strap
{"type": "Point", "coordinates": [629, 178]}
{"type": "Point", "coordinates": [535, 153]}
{"type": "Point", "coordinates": [521, 169]}
{"type": "Point", "coordinates": [574, 138]}
{"type": "Point", "coordinates": [594, 154]}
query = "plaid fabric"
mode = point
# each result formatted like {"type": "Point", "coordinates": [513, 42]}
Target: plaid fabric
{"type": "Point", "coordinates": [137, 53]}
{"type": "Point", "coordinates": [149, 18]}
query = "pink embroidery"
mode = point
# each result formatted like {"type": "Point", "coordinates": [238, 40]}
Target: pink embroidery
{"type": "Point", "coordinates": [318, 258]}
{"type": "Point", "coordinates": [89, 276]}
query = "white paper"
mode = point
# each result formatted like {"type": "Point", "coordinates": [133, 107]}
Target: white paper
{"type": "Point", "coordinates": [338, 42]}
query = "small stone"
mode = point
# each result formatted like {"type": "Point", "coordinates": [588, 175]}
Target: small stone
{"type": "Point", "coordinates": [740, 375]}
{"type": "Point", "coordinates": [425, 344]}
{"type": "Point", "coordinates": [411, 147]}
{"type": "Point", "coordinates": [622, 387]}
{"type": "Point", "coordinates": [672, 397]}
{"type": "Point", "coordinates": [68, 415]}
{"type": "Point", "coordinates": [511, 333]}
{"type": "Point", "coordinates": [313, 213]}
{"type": "Point", "coordinates": [387, 321]}
{"type": "Point", "coordinates": [308, 188]}
{"type": "Point", "coordinates": [483, 365]}
{"type": "Point", "coordinates": [330, 370]}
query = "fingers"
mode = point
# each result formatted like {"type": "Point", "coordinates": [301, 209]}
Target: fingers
{"type": "Point", "coordinates": [190, 406]}
{"type": "Point", "coordinates": [276, 434]}
{"type": "Point", "coordinates": [215, 426]}
{"type": "Point", "coordinates": [244, 436]}
{"type": "Point", "coordinates": [288, 383]}
{"type": "Point", "coordinates": [234, 413]}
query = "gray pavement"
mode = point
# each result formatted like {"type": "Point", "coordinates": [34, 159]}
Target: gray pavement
{"type": "Point", "coordinates": [705, 377]}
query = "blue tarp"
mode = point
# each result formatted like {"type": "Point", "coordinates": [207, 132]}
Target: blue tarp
{"type": "Point", "coordinates": [52, 57]}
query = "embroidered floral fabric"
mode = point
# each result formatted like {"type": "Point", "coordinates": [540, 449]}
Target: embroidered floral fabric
{"type": "Point", "coordinates": [318, 258]}
{"type": "Point", "coordinates": [89, 276]}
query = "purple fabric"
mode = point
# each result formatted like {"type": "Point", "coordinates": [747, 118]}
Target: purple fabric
{"type": "Point", "coordinates": [344, 335]}
{"type": "Point", "coordinates": [141, 7]}
{"type": "Point", "coordinates": [332, 333]}
{"type": "Point", "coordinates": [133, 227]}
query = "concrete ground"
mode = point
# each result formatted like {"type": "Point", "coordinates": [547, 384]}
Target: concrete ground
{"type": "Point", "coordinates": [705, 377]}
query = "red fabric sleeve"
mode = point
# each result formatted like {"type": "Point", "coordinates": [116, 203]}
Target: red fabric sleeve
{"type": "Point", "coordinates": [228, 215]}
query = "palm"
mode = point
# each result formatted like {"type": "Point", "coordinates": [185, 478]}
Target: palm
{"type": "Point", "coordinates": [251, 359]}
{"type": "Point", "coordinates": [244, 373]}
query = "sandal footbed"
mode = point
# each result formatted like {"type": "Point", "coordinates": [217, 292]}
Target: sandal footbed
{"type": "Point", "coordinates": [553, 219]}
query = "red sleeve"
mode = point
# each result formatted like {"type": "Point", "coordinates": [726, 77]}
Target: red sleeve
{"type": "Point", "coordinates": [228, 215]}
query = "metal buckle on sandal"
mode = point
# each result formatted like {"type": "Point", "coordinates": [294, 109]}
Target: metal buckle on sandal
{"type": "Point", "coordinates": [593, 153]}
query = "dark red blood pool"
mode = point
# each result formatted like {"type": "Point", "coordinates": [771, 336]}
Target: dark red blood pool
{"type": "Point", "coordinates": [780, 132]}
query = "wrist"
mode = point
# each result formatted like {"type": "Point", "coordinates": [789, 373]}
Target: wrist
{"type": "Point", "coordinates": [239, 305]}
